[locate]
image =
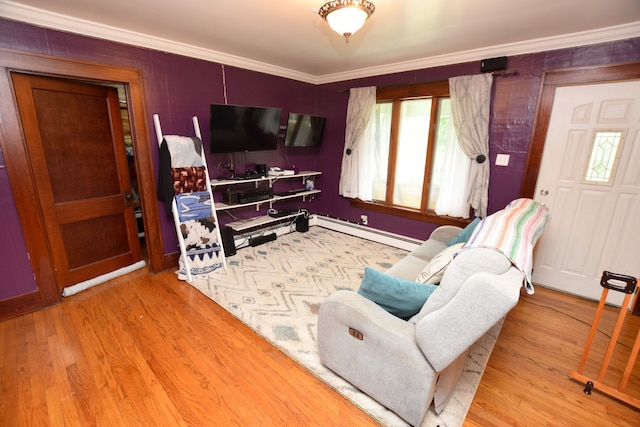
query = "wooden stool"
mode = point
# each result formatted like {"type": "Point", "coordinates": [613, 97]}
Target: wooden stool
{"type": "Point", "coordinates": [620, 283]}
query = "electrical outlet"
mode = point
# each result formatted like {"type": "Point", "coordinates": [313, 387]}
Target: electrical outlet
{"type": "Point", "coordinates": [364, 220]}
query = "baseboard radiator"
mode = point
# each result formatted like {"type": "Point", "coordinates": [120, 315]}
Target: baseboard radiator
{"type": "Point", "coordinates": [368, 233]}
{"type": "Point", "coordinates": [384, 237]}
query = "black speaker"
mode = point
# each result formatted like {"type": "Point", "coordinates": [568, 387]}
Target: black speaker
{"type": "Point", "coordinates": [258, 240]}
{"type": "Point", "coordinates": [302, 223]}
{"type": "Point", "coordinates": [228, 242]}
{"type": "Point", "coordinates": [493, 64]}
{"type": "Point", "coordinates": [261, 169]}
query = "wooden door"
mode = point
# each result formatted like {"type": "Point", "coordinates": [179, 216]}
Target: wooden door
{"type": "Point", "coordinates": [74, 138]}
{"type": "Point", "coordinates": [594, 224]}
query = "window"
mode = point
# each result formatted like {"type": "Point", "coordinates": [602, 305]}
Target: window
{"type": "Point", "coordinates": [412, 127]}
{"type": "Point", "coordinates": [604, 153]}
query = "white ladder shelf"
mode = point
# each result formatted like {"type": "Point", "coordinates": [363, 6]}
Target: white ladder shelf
{"type": "Point", "coordinates": [174, 207]}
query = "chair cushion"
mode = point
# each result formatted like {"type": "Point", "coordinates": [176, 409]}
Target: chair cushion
{"type": "Point", "coordinates": [465, 234]}
{"type": "Point", "coordinates": [427, 250]}
{"type": "Point", "coordinates": [465, 264]}
{"type": "Point", "coordinates": [433, 272]}
{"type": "Point", "coordinates": [399, 297]}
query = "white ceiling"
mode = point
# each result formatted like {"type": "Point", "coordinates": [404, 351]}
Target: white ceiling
{"type": "Point", "coordinates": [287, 38]}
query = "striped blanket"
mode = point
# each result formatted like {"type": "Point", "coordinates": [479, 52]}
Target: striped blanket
{"type": "Point", "coordinates": [513, 232]}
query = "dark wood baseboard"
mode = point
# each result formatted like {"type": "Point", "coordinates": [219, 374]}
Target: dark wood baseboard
{"type": "Point", "coordinates": [19, 305]}
{"type": "Point", "coordinates": [171, 260]}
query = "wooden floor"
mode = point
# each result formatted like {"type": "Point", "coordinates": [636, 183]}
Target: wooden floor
{"type": "Point", "coordinates": [150, 350]}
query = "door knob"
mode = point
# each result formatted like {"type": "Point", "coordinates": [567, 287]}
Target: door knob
{"type": "Point", "coordinates": [128, 197]}
{"type": "Point", "coordinates": [544, 192]}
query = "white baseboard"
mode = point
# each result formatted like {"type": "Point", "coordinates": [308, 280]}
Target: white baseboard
{"type": "Point", "coordinates": [384, 237]}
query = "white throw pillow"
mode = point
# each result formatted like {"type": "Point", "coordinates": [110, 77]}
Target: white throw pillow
{"type": "Point", "coordinates": [434, 271]}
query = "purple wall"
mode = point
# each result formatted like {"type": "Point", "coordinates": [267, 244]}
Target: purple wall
{"type": "Point", "coordinates": [15, 269]}
{"type": "Point", "coordinates": [178, 87]}
{"type": "Point", "coordinates": [514, 104]}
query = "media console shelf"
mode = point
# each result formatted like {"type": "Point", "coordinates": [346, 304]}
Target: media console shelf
{"type": "Point", "coordinates": [245, 227]}
{"type": "Point", "coordinates": [246, 224]}
{"type": "Point", "coordinates": [220, 206]}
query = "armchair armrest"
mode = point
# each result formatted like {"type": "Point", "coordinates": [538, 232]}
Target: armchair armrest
{"type": "Point", "coordinates": [347, 309]}
{"type": "Point", "coordinates": [376, 352]}
{"type": "Point", "coordinates": [445, 233]}
{"type": "Point", "coordinates": [480, 303]}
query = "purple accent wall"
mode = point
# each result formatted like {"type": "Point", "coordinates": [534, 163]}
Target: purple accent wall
{"type": "Point", "coordinates": [177, 87]}
{"type": "Point", "coordinates": [15, 269]}
{"type": "Point", "coordinates": [514, 104]}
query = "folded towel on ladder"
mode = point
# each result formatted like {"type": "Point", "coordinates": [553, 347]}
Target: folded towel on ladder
{"type": "Point", "coordinates": [193, 205]}
{"type": "Point", "coordinates": [184, 150]}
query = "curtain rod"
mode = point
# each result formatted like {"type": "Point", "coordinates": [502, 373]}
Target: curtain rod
{"type": "Point", "coordinates": [504, 73]}
{"type": "Point", "coordinates": [494, 73]}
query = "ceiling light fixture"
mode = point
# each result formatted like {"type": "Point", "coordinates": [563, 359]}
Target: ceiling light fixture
{"type": "Point", "coordinates": [346, 16]}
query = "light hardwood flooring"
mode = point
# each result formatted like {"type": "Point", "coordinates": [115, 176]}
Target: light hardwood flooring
{"type": "Point", "coordinates": [150, 350]}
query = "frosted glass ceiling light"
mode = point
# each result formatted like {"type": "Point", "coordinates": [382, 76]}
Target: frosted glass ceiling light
{"type": "Point", "coordinates": [345, 17]}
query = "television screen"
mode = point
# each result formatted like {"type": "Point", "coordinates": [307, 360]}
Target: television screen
{"type": "Point", "coordinates": [235, 128]}
{"type": "Point", "coordinates": [304, 130]}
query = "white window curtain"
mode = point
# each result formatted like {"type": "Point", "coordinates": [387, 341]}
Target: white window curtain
{"type": "Point", "coordinates": [356, 175]}
{"type": "Point", "coordinates": [454, 179]}
{"type": "Point", "coordinates": [470, 108]}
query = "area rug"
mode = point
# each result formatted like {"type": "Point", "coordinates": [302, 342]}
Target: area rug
{"type": "Point", "coordinates": [277, 288]}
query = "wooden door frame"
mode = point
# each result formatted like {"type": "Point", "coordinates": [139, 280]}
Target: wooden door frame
{"type": "Point", "coordinates": [551, 80]}
{"type": "Point", "coordinates": [18, 167]}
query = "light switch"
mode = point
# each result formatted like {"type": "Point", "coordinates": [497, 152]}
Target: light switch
{"type": "Point", "coordinates": [502, 160]}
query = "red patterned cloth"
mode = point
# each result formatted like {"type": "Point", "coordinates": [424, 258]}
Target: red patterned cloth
{"type": "Point", "coordinates": [189, 179]}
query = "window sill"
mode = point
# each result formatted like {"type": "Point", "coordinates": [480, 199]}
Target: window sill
{"type": "Point", "coordinates": [410, 213]}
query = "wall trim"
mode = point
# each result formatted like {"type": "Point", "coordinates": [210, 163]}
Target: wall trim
{"type": "Point", "coordinates": [43, 18]}
{"type": "Point", "coordinates": [21, 304]}
{"type": "Point", "coordinates": [601, 35]}
{"type": "Point", "coordinates": [375, 235]}
{"type": "Point", "coordinates": [55, 21]}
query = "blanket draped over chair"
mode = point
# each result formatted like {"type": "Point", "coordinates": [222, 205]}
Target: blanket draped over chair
{"type": "Point", "coordinates": [513, 231]}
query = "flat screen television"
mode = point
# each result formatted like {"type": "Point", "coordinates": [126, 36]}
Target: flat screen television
{"type": "Point", "coordinates": [304, 130]}
{"type": "Point", "coordinates": [236, 128]}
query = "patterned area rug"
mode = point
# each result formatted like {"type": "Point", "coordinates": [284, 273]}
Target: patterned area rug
{"type": "Point", "coordinates": [277, 288]}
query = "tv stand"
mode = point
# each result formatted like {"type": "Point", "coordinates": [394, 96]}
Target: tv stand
{"type": "Point", "coordinates": [263, 220]}
{"type": "Point", "coordinates": [269, 180]}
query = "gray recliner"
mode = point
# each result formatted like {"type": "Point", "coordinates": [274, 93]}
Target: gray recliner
{"type": "Point", "coordinates": [407, 365]}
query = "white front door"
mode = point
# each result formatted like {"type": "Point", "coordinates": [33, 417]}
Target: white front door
{"type": "Point", "coordinates": [593, 193]}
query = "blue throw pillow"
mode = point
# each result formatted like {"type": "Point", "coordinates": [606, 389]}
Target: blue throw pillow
{"type": "Point", "coordinates": [465, 234]}
{"type": "Point", "coordinates": [399, 297]}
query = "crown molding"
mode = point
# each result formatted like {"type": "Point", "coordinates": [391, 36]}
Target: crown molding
{"type": "Point", "coordinates": [55, 21]}
{"type": "Point", "coordinates": [42, 18]}
{"type": "Point", "coordinates": [601, 35]}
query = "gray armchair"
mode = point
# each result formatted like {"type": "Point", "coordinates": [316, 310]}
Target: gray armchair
{"type": "Point", "coordinates": [407, 365]}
